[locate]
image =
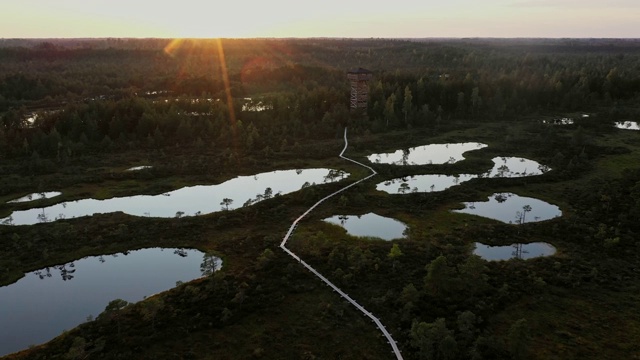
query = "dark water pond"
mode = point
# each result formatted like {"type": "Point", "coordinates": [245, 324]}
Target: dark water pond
{"type": "Point", "coordinates": [252, 105]}
{"type": "Point", "coordinates": [511, 167]}
{"type": "Point", "coordinates": [559, 121]}
{"type": "Point", "coordinates": [427, 154]}
{"type": "Point", "coordinates": [138, 168]}
{"type": "Point", "coordinates": [512, 209]}
{"type": "Point", "coordinates": [187, 201]}
{"type": "Point", "coordinates": [514, 251]}
{"type": "Point", "coordinates": [370, 224]}
{"type": "Point", "coordinates": [422, 183]}
{"type": "Point", "coordinates": [42, 304]}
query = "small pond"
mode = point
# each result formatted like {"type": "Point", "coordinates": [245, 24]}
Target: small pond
{"type": "Point", "coordinates": [45, 302]}
{"type": "Point", "coordinates": [36, 196]}
{"type": "Point", "coordinates": [514, 251]}
{"type": "Point", "coordinates": [427, 154]}
{"type": "Point", "coordinates": [370, 224]}
{"type": "Point", "coordinates": [422, 183]}
{"type": "Point", "coordinates": [512, 209]}
{"type": "Point", "coordinates": [511, 167]}
{"type": "Point", "coordinates": [138, 168]}
{"type": "Point", "coordinates": [559, 121]}
{"type": "Point", "coordinates": [31, 118]}
{"type": "Point", "coordinates": [187, 201]}
{"type": "Point", "coordinates": [627, 125]}
{"type": "Point", "coordinates": [251, 105]}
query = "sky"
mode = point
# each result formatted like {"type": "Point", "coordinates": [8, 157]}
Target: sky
{"type": "Point", "coordinates": [320, 18]}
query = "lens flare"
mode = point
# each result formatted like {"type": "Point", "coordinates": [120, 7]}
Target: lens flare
{"type": "Point", "coordinates": [227, 90]}
{"type": "Point", "coordinates": [172, 47]}
{"type": "Point", "coordinates": [188, 47]}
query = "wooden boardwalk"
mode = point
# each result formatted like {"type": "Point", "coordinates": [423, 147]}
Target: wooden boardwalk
{"type": "Point", "coordinates": [283, 244]}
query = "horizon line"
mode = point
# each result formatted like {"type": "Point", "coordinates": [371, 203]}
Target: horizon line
{"type": "Point", "coordinates": [324, 37]}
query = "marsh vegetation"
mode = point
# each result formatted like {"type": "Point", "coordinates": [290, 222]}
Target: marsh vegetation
{"type": "Point", "coordinates": [76, 114]}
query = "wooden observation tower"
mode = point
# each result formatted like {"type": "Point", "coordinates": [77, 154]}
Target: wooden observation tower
{"type": "Point", "coordinates": [359, 79]}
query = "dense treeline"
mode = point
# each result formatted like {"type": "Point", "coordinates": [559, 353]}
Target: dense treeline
{"type": "Point", "coordinates": [135, 122]}
{"type": "Point", "coordinates": [117, 93]}
{"type": "Point", "coordinates": [457, 77]}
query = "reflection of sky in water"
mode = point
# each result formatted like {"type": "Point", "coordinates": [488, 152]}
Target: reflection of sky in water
{"type": "Point", "coordinates": [251, 105]}
{"type": "Point", "coordinates": [187, 201]}
{"type": "Point", "coordinates": [627, 125]}
{"type": "Point", "coordinates": [508, 208]}
{"type": "Point", "coordinates": [31, 118]}
{"type": "Point", "coordinates": [515, 167]}
{"type": "Point", "coordinates": [427, 154]}
{"type": "Point", "coordinates": [34, 309]}
{"type": "Point", "coordinates": [370, 225]}
{"type": "Point", "coordinates": [503, 167]}
{"type": "Point", "coordinates": [137, 168]}
{"type": "Point", "coordinates": [36, 196]}
{"type": "Point", "coordinates": [560, 121]}
{"type": "Point", "coordinates": [522, 251]}
{"type": "Point", "coordinates": [422, 183]}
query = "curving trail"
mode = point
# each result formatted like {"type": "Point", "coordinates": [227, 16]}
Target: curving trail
{"type": "Point", "coordinates": [384, 331]}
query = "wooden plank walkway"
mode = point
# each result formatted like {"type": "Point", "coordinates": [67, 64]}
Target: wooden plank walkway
{"type": "Point", "coordinates": [283, 244]}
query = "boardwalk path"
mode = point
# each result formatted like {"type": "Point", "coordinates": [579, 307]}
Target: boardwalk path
{"type": "Point", "coordinates": [384, 331]}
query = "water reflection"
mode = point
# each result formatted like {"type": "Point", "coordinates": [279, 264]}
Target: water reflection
{"type": "Point", "coordinates": [187, 201]}
{"type": "Point", "coordinates": [45, 302]}
{"type": "Point", "coordinates": [427, 154]}
{"type": "Point", "coordinates": [36, 196]}
{"type": "Point", "coordinates": [137, 168]}
{"type": "Point", "coordinates": [32, 119]}
{"type": "Point", "coordinates": [422, 183]}
{"type": "Point", "coordinates": [512, 209]}
{"type": "Point", "coordinates": [370, 224]}
{"type": "Point", "coordinates": [251, 105]}
{"type": "Point", "coordinates": [514, 251]}
{"type": "Point", "coordinates": [65, 273]}
{"type": "Point", "coordinates": [627, 125]}
{"type": "Point", "coordinates": [511, 167]}
{"type": "Point", "coordinates": [560, 121]}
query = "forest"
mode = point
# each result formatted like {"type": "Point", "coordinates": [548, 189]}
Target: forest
{"type": "Point", "coordinates": [75, 112]}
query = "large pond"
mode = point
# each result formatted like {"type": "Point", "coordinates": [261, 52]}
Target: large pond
{"type": "Point", "coordinates": [512, 209]}
{"type": "Point", "coordinates": [36, 196]}
{"type": "Point", "coordinates": [515, 167]}
{"type": "Point", "coordinates": [187, 201]}
{"type": "Point", "coordinates": [427, 154]}
{"type": "Point", "coordinates": [514, 251]}
{"type": "Point", "coordinates": [370, 225]}
{"type": "Point", "coordinates": [42, 304]}
{"type": "Point", "coordinates": [422, 183]}
{"type": "Point", "coordinates": [627, 125]}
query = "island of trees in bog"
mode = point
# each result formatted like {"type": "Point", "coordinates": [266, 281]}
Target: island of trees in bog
{"type": "Point", "coordinates": [551, 127]}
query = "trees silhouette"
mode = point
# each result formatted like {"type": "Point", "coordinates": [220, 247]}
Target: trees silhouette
{"type": "Point", "coordinates": [226, 202]}
{"type": "Point", "coordinates": [210, 264]}
{"type": "Point", "coordinates": [521, 215]}
{"type": "Point", "coordinates": [113, 311]}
